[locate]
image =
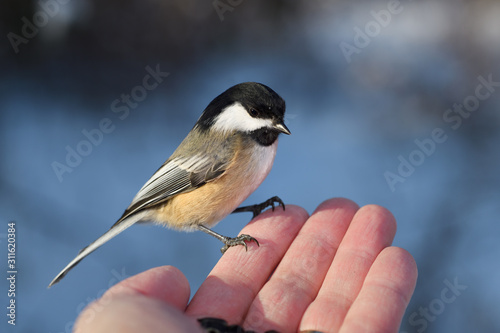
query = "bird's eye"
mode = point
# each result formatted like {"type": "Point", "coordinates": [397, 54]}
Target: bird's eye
{"type": "Point", "coordinates": [254, 113]}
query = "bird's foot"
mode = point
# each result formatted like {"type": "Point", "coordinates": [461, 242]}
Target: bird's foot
{"type": "Point", "coordinates": [239, 240]}
{"type": "Point", "coordinates": [259, 208]}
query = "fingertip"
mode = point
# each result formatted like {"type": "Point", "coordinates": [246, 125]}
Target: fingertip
{"type": "Point", "coordinates": [385, 293]}
{"type": "Point", "coordinates": [400, 255]}
{"type": "Point", "coordinates": [401, 258]}
{"type": "Point", "coordinates": [375, 214]}
{"type": "Point", "coordinates": [335, 210]}
{"type": "Point", "coordinates": [291, 213]}
{"type": "Point", "coordinates": [152, 299]}
{"type": "Point", "coordinates": [336, 203]}
{"type": "Point", "coordinates": [297, 211]}
{"type": "Point", "coordinates": [379, 212]}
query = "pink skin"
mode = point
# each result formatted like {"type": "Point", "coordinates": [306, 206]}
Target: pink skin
{"type": "Point", "coordinates": [334, 271]}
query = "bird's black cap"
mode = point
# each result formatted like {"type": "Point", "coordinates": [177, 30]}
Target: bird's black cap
{"type": "Point", "coordinates": [253, 96]}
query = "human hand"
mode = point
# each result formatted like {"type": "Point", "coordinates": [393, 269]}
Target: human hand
{"type": "Point", "coordinates": [332, 272]}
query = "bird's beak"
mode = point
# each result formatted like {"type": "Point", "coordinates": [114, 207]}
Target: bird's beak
{"type": "Point", "coordinates": [282, 128]}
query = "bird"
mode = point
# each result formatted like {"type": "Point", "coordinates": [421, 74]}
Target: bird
{"type": "Point", "coordinates": [223, 159]}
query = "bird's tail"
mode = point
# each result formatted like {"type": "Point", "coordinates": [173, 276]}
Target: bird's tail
{"type": "Point", "coordinates": [115, 230]}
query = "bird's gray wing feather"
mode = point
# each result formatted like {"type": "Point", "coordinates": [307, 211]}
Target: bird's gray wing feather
{"type": "Point", "coordinates": [208, 159]}
{"type": "Point", "coordinates": [178, 175]}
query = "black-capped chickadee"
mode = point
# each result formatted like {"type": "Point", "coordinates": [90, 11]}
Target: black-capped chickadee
{"type": "Point", "coordinates": [223, 159]}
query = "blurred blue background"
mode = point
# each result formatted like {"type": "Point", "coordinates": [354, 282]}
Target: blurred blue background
{"type": "Point", "coordinates": [367, 85]}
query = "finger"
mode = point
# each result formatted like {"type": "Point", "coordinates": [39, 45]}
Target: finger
{"type": "Point", "coordinates": [297, 279]}
{"type": "Point", "coordinates": [371, 230]}
{"type": "Point", "coordinates": [145, 302]}
{"type": "Point", "coordinates": [233, 283]}
{"type": "Point", "coordinates": [385, 294]}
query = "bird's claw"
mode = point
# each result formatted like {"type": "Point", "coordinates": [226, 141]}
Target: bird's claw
{"type": "Point", "coordinates": [239, 240]}
{"type": "Point", "coordinates": [259, 208]}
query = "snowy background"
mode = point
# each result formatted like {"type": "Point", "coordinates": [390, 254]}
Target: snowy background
{"type": "Point", "coordinates": [388, 103]}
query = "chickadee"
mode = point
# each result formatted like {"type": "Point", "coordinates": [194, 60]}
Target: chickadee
{"type": "Point", "coordinates": [223, 159]}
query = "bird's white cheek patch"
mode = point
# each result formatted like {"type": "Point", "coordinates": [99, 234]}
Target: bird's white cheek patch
{"type": "Point", "coordinates": [236, 118]}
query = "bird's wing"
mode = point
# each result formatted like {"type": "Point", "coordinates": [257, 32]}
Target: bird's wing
{"type": "Point", "coordinates": [177, 175]}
